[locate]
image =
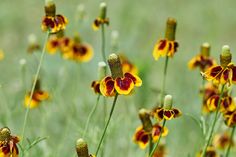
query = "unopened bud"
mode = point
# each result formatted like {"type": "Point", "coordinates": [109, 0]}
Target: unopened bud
{"type": "Point", "coordinates": [145, 118]}
{"type": "Point", "coordinates": [205, 49]}
{"type": "Point", "coordinates": [115, 66]}
{"type": "Point", "coordinates": [103, 10]}
{"type": "Point", "coordinates": [168, 102]}
{"type": "Point", "coordinates": [82, 148]}
{"type": "Point", "coordinates": [5, 134]}
{"type": "Point", "coordinates": [101, 70]}
{"type": "Point", "coordinates": [50, 8]}
{"type": "Point", "coordinates": [225, 56]}
{"type": "Point", "coordinates": [170, 29]}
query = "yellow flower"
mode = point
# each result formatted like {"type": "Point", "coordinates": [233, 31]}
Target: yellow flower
{"type": "Point", "coordinates": [142, 137]}
{"type": "Point", "coordinates": [53, 44]}
{"type": "Point", "coordinates": [38, 96]}
{"type": "Point", "coordinates": [222, 141]}
{"type": "Point", "coordinates": [82, 52]}
{"type": "Point", "coordinates": [98, 22]}
{"type": "Point", "coordinates": [1, 55]}
{"type": "Point", "coordinates": [121, 85]}
{"type": "Point", "coordinates": [161, 113]}
{"type": "Point", "coordinates": [164, 48]}
{"type": "Point", "coordinates": [8, 147]}
{"type": "Point", "coordinates": [202, 62]}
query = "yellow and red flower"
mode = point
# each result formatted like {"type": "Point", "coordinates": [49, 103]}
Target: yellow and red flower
{"type": "Point", "coordinates": [81, 52]}
{"type": "Point", "coordinates": [127, 66]}
{"type": "Point", "coordinates": [142, 137]}
{"type": "Point", "coordinates": [54, 23]}
{"type": "Point", "coordinates": [222, 141]}
{"type": "Point", "coordinates": [230, 118]}
{"type": "Point", "coordinates": [8, 143]}
{"type": "Point", "coordinates": [95, 86]}
{"type": "Point", "coordinates": [98, 22]}
{"type": "Point", "coordinates": [160, 151]}
{"type": "Point", "coordinates": [161, 113]}
{"type": "Point", "coordinates": [210, 152]}
{"type": "Point", "coordinates": [164, 48]}
{"type": "Point", "coordinates": [220, 74]}
{"type": "Point", "coordinates": [37, 97]}
{"type": "Point", "coordinates": [53, 44]}
{"type": "Point", "coordinates": [202, 62]}
{"type": "Point", "coordinates": [122, 85]}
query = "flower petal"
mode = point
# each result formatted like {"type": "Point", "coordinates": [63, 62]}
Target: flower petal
{"type": "Point", "coordinates": [107, 86]}
{"type": "Point", "coordinates": [124, 85]}
{"type": "Point", "coordinates": [137, 81]}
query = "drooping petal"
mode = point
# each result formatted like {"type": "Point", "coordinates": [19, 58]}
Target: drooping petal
{"type": "Point", "coordinates": [40, 95]}
{"type": "Point", "coordinates": [107, 86]}
{"type": "Point", "coordinates": [213, 73]}
{"type": "Point", "coordinates": [137, 81]}
{"type": "Point", "coordinates": [168, 114]}
{"type": "Point", "coordinates": [176, 112]}
{"type": "Point", "coordinates": [141, 137]}
{"type": "Point", "coordinates": [158, 113]}
{"type": "Point", "coordinates": [95, 85]}
{"type": "Point", "coordinates": [226, 76]}
{"type": "Point", "coordinates": [212, 102]}
{"type": "Point", "coordinates": [234, 74]}
{"type": "Point", "coordinates": [33, 104]}
{"type": "Point", "coordinates": [160, 49]}
{"type": "Point", "coordinates": [157, 131]}
{"type": "Point", "coordinates": [124, 85]}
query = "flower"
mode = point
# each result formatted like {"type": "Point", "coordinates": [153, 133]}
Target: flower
{"type": "Point", "coordinates": [222, 141]}
{"type": "Point", "coordinates": [101, 73]}
{"type": "Point", "coordinates": [202, 60]}
{"type": "Point", "coordinates": [224, 73]}
{"type": "Point", "coordinates": [1, 55]}
{"type": "Point", "coordinates": [226, 103]}
{"type": "Point", "coordinates": [209, 90]}
{"type": "Point", "coordinates": [38, 96]}
{"type": "Point", "coordinates": [127, 66]}
{"type": "Point", "coordinates": [53, 44]}
{"type": "Point", "coordinates": [81, 52]}
{"type": "Point", "coordinates": [101, 20]}
{"type": "Point", "coordinates": [210, 152]}
{"type": "Point", "coordinates": [82, 149]}
{"type": "Point", "coordinates": [168, 46]}
{"type": "Point", "coordinates": [161, 113]}
{"type": "Point", "coordinates": [52, 22]}
{"type": "Point", "coordinates": [121, 85]}
{"type": "Point", "coordinates": [230, 118]}
{"type": "Point", "coordinates": [8, 147]}
{"type": "Point", "coordinates": [142, 137]}
{"type": "Point", "coordinates": [118, 83]}
{"type": "Point", "coordinates": [95, 86]}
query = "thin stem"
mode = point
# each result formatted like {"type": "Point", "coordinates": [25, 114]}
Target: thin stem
{"type": "Point", "coordinates": [203, 92]}
{"type": "Point", "coordinates": [214, 123]}
{"type": "Point", "coordinates": [164, 81]}
{"type": "Point", "coordinates": [105, 129]}
{"type": "Point", "coordinates": [159, 139]}
{"type": "Point", "coordinates": [90, 115]}
{"type": "Point", "coordinates": [150, 144]}
{"type": "Point", "coordinates": [230, 143]}
{"type": "Point", "coordinates": [33, 87]}
{"type": "Point", "coordinates": [103, 43]}
{"type": "Point", "coordinates": [104, 122]}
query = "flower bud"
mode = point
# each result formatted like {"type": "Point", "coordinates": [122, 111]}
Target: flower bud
{"type": "Point", "coordinates": [82, 148]}
{"type": "Point", "coordinates": [168, 102]}
{"type": "Point", "coordinates": [103, 10]}
{"type": "Point", "coordinates": [50, 8]}
{"type": "Point", "coordinates": [101, 70]}
{"type": "Point", "coordinates": [5, 134]}
{"type": "Point", "coordinates": [170, 29]}
{"type": "Point", "coordinates": [115, 66]}
{"type": "Point", "coordinates": [205, 49]}
{"type": "Point", "coordinates": [145, 118]}
{"type": "Point", "coordinates": [225, 56]}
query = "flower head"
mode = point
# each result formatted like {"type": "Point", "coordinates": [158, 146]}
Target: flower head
{"type": "Point", "coordinates": [82, 149]}
{"type": "Point", "coordinates": [8, 147]}
{"type": "Point", "coordinates": [37, 97]}
{"type": "Point", "coordinates": [166, 112]}
{"type": "Point", "coordinates": [52, 22]}
{"type": "Point", "coordinates": [118, 83]}
{"type": "Point", "coordinates": [230, 118]}
{"type": "Point", "coordinates": [202, 60]}
{"type": "Point", "coordinates": [168, 46]}
{"type": "Point", "coordinates": [224, 73]}
{"type": "Point", "coordinates": [102, 19]}
{"type": "Point", "coordinates": [222, 140]}
{"type": "Point", "coordinates": [210, 152]}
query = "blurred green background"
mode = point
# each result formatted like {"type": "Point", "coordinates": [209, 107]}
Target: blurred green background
{"type": "Point", "coordinates": [140, 24]}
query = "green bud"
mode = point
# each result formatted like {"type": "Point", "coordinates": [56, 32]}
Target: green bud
{"type": "Point", "coordinates": [103, 10]}
{"type": "Point", "coordinates": [145, 118]}
{"type": "Point", "coordinates": [170, 29]}
{"type": "Point", "coordinates": [115, 66]}
{"type": "Point", "coordinates": [225, 56]}
{"type": "Point", "coordinates": [50, 8]}
{"type": "Point", "coordinates": [168, 102]}
{"type": "Point", "coordinates": [205, 49]}
{"type": "Point", "coordinates": [82, 148]}
{"type": "Point", "coordinates": [5, 134]}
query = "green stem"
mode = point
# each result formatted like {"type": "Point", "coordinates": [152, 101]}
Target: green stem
{"type": "Point", "coordinates": [90, 115]}
{"type": "Point", "coordinates": [214, 123]}
{"type": "Point", "coordinates": [150, 144]}
{"type": "Point", "coordinates": [164, 81]}
{"type": "Point", "coordinates": [159, 139]}
{"type": "Point", "coordinates": [230, 143]}
{"type": "Point", "coordinates": [103, 43]}
{"type": "Point", "coordinates": [104, 122]}
{"type": "Point", "coordinates": [33, 88]}
{"type": "Point", "coordinates": [105, 129]}
{"type": "Point", "coordinates": [203, 93]}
